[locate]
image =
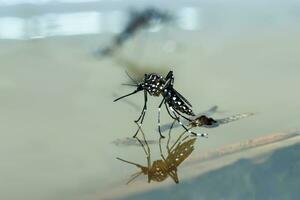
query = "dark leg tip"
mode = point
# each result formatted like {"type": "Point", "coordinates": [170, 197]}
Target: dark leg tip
{"type": "Point", "coordinates": [161, 136]}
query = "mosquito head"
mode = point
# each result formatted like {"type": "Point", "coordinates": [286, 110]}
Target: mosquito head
{"type": "Point", "coordinates": [175, 178]}
{"type": "Point", "coordinates": [140, 86]}
{"type": "Point", "coordinates": [145, 170]}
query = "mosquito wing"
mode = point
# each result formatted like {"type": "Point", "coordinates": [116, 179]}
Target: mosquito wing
{"type": "Point", "coordinates": [181, 97]}
{"type": "Point", "coordinates": [233, 118]}
{"type": "Point", "coordinates": [180, 153]}
{"type": "Point", "coordinates": [228, 119]}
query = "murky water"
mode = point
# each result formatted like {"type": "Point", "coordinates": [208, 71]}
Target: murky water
{"type": "Point", "coordinates": [58, 119]}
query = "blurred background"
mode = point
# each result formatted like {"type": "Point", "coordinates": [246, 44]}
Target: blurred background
{"type": "Point", "coordinates": [62, 65]}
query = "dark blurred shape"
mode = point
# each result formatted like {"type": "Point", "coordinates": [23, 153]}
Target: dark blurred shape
{"type": "Point", "coordinates": [166, 167]}
{"type": "Point", "coordinates": [138, 20]}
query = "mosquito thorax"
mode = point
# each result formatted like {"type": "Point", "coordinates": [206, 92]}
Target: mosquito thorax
{"type": "Point", "coordinates": [153, 84]}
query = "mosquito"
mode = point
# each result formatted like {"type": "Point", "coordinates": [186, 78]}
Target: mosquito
{"type": "Point", "coordinates": [176, 105]}
{"type": "Point", "coordinates": [208, 122]}
{"type": "Point", "coordinates": [166, 167]}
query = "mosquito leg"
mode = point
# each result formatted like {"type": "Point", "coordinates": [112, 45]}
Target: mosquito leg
{"type": "Point", "coordinates": [142, 114]}
{"type": "Point", "coordinates": [160, 150]}
{"type": "Point", "coordinates": [167, 107]}
{"type": "Point", "coordinates": [170, 130]}
{"type": "Point", "coordinates": [158, 119]}
{"type": "Point", "coordinates": [148, 149]}
{"type": "Point", "coordinates": [145, 106]}
{"type": "Point", "coordinates": [185, 128]}
{"type": "Point", "coordinates": [181, 115]}
{"type": "Point", "coordinates": [148, 157]}
{"type": "Point", "coordinates": [142, 145]}
{"type": "Point", "coordinates": [139, 128]}
{"type": "Point", "coordinates": [177, 142]}
{"type": "Point", "coordinates": [148, 152]}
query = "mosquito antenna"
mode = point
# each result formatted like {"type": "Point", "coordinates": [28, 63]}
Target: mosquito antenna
{"type": "Point", "coordinates": [128, 84]}
{"type": "Point", "coordinates": [127, 95]}
{"type": "Point", "coordinates": [138, 165]}
{"type": "Point", "coordinates": [135, 175]}
{"type": "Point", "coordinates": [131, 77]}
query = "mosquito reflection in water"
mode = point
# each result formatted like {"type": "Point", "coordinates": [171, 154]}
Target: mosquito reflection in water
{"type": "Point", "coordinates": [166, 167]}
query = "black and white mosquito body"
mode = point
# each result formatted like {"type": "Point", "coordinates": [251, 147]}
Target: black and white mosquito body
{"type": "Point", "coordinates": [176, 105]}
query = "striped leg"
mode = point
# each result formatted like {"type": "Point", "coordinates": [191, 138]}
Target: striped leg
{"type": "Point", "coordinates": [167, 108]}
{"type": "Point", "coordinates": [182, 116]}
{"type": "Point", "coordinates": [141, 117]}
{"type": "Point", "coordinates": [158, 119]}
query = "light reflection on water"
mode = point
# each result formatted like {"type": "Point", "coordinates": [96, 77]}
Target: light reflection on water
{"type": "Point", "coordinates": [80, 23]}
